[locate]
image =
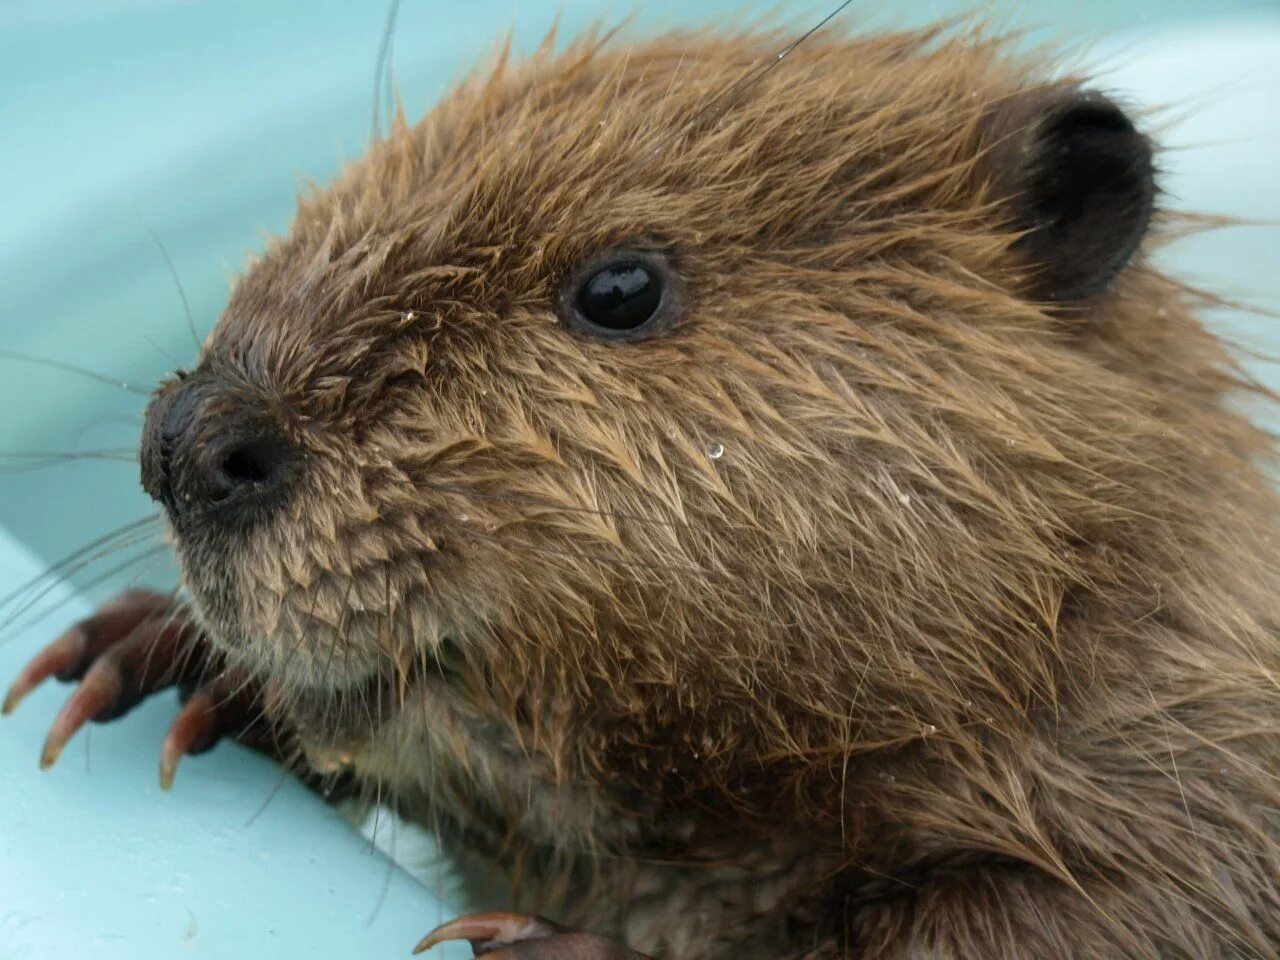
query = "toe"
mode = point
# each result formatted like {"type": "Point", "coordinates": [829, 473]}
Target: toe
{"type": "Point", "coordinates": [57, 659]}
{"type": "Point", "coordinates": [194, 727]}
{"type": "Point", "coordinates": [95, 696]}
{"type": "Point", "coordinates": [119, 660]}
{"type": "Point", "coordinates": [229, 705]}
{"type": "Point", "coordinates": [516, 936]}
{"type": "Point", "coordinates": [487, 931]}
{"type": "Point", "coordinates": [72, 655]}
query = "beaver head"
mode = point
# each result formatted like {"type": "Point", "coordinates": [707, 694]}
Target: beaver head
{"type": "Point", "coordinates": [678, 435]}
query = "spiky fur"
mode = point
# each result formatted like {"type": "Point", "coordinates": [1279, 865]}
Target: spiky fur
{"type": "Point", "coordinates": [965, 646]}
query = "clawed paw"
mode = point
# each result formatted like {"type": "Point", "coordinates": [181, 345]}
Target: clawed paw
{"type": "Point", "coordinates": [137, 645]}
{"type": "Point", "coordinates": [522, 936]}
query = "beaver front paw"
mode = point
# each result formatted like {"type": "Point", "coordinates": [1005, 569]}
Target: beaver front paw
{"type": "Point", "coordinates": [139, 644]}
{"type": "Point", "coordinates": [521, 936]}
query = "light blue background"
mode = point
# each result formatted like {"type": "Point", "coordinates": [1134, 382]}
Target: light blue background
{"type": "Point", "coordinates": [195, 120]}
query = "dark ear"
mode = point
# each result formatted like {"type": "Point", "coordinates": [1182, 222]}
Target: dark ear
{"type": "Point", "coordinates": [1082, 184]}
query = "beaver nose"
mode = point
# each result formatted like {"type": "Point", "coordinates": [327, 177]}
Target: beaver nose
{"type": "Point", "coordinates": [194, 459]}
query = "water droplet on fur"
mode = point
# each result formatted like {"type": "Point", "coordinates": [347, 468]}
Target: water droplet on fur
{"type": "Point", "coordinates": [1223, 771]}
{"type": "Point", "coordinates": [409, 315]}
{"type": "Point", "coordinates": [886, 777]}
{"type": "Point", "coordinates": [904, 499]}
{"type": "Point", "coordinates": [715, 451]}
{"type": "Point", "coordinates": [463, 518]}
{"type": "Point", "coordinates": [928, 729]}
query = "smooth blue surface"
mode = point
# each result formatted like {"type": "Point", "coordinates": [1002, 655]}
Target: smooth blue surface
{"type": "Point", "coordinates": [193, 119]}
{"type": "Point", "coordinates": [97, 862]}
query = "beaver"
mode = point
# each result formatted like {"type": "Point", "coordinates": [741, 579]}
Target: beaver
{"type": "Point", "coordinates": [771, 506]}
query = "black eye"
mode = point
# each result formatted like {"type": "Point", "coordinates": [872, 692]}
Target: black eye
{"type": "Point", "coordinates": [621, 295]}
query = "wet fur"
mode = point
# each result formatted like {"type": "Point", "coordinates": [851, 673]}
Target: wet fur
{"type": "Point", "coordinates": [965, 647]}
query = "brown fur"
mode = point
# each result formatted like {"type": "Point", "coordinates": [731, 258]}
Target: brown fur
{"type": "Point", "coordinates": [965, 645]}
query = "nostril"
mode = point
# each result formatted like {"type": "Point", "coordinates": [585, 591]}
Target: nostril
{"type": "Point", "coordinates": [256, 463]}
{"type": "Point", "coordinates": [203, 448]}
{"type": "Point", "coordinates": [245, 466]}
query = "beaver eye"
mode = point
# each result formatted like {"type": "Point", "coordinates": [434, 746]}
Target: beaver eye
{"type": "Point", "coordinates": [621, 295]}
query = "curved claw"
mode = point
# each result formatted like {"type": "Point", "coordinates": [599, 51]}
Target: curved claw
{"type": "Point", "coordinates": [70, 655]}
{"type": "Point", "coordinates": [522, 936]}
{"type": "Point", "coordinates": [130, 649]}
{"type": "Point", "coordinates": [488, 931]}
{"type": "Point", "coordinates": [97, 692]}
{"type": "Point", "coordinates": [57, 658]}
{"type": "Point", "coordinates": [192, 726]}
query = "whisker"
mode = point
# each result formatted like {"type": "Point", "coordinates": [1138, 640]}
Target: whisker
{"type": "Point", "coordinates": [137, 577]}
{"type": "Point", "coordinates": [401, 671]}
{"type": "Point", "coordinates": [208, 666]}
{"type": "Point", "coordinates": [176, 611]}
{"type": "Point", "coordinates": [72, 368]}
{"type": "Point", "coordinates": [163, 352]}
{"type": "Point", "coordinates": [114, 571]}
{"type": "Point", "coordinates": [42, 584]}
{"type": "Point", "coordinates": [333, 646]}
{"type": "Point", "coordinates": [280, 781]}
{"type": "Point", "coordinates": [382, 67]}
{"type": "Point", "coordinates": [297, 644]}
{"type": "Point", "coordinates": [391, 866]}
{"type": "Point", "coordinates": [112, 453]}
{"type": "Point", "coordinates": [100, 542]}
{"type": "Point", "coordinates": [550, 505]}
{"type": "Point", "coordinates": [753, 75]}
{"type": "Point", "coordinates": [377, 809]}
{"type": "Point", "coordinates": [247, 680]}
{"type": "Point", "coordinates": [673, 524]}
{"type": "Point", "coordinates": [585, 554]}
{"type": "Point", "coordinates": [177, 282]}
{"type": "Point", "coordinates": [46, 459]}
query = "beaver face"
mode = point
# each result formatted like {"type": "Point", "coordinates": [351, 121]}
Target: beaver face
{"type": "Point", "coordinates": [675, 432]}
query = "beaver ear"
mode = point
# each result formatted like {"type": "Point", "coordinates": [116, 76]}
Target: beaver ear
{"type": "Point", "coordinates": [1082, 185]}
